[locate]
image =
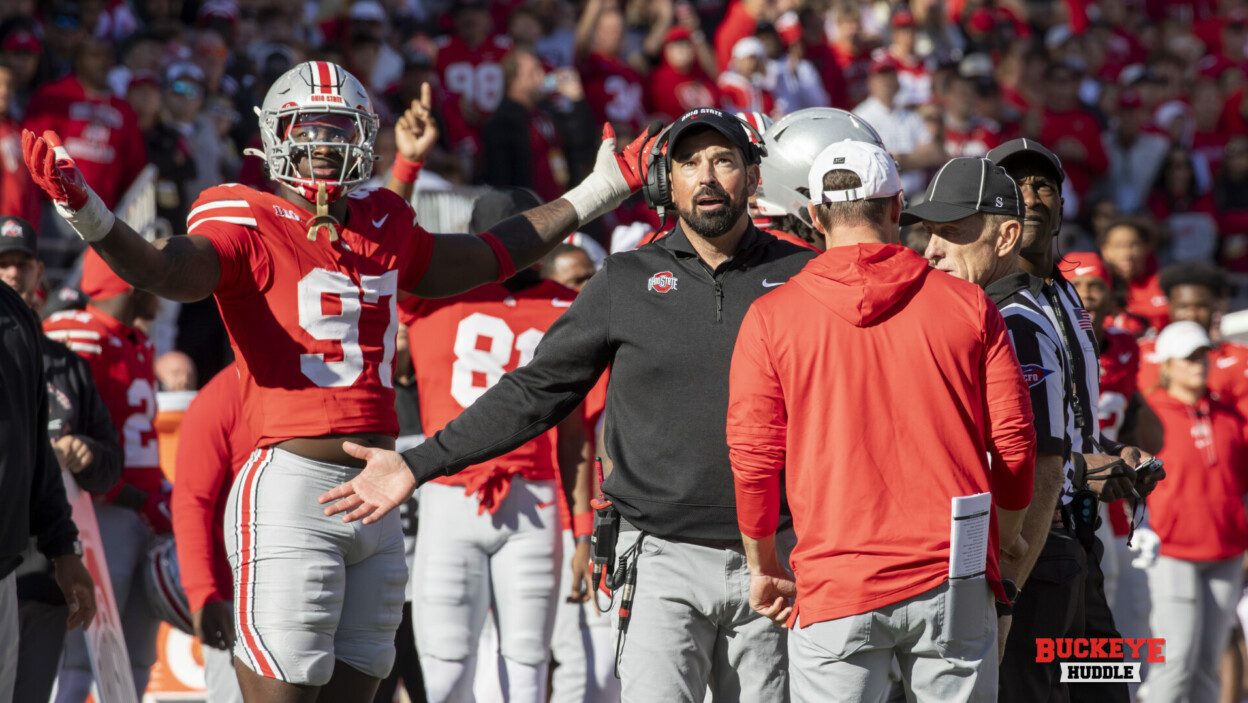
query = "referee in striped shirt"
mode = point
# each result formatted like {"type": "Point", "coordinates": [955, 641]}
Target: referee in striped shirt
{"type": "Point", "coordinates": [973, 213]}
{"type": "Point", "coordinates": [1099, 472]}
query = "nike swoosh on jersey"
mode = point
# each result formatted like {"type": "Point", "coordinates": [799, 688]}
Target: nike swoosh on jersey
{"type": "Point", "coordinates": [561, 303]}
{"type": "Point", "coordinates": [1227, 362]}
{"type": "Point", "coordinates": [768, 284]}
{"type": "Point", "coordinates": [1124, 358]}
{"type": "Point", "coordinates": [382, 221]}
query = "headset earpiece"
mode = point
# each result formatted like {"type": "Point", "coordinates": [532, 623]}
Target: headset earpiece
{"type": "Point", "coordinates": [657, 192]}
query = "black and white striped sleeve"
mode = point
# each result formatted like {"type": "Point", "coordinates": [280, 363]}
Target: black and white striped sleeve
{"type": "Point", "coordinates": [1039, 356]}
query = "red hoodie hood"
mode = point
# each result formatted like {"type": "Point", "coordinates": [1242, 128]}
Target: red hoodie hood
{"type": "Point", "coordinates": [861, 283]}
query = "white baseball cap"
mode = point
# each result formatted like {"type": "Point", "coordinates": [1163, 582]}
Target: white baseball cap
{"type": "Point", "coordinates": [874, 167]}
{"type": "Point", "coordinates": [749, 46]}
{"type": "Point", "coordinates": [1179, 340]}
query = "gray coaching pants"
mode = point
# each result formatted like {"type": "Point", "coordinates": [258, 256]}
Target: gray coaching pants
{"type": "Point", "coordinates": [692, 626]}
{"type": "Point", "coordinates": [849, 658]}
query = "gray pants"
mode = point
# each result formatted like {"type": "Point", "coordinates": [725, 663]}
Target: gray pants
{"type": "Point", "coordinates": [848, 659]}
{"type": "Point", "coordinates": [8, 637]}
{"type": "Point", "coordinates": [692, 625]}
{"type": "Point", "coordinates": [1193, 609]}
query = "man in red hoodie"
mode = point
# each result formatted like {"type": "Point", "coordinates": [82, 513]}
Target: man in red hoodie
{"type": "Point", "coordinates": [863, 585]}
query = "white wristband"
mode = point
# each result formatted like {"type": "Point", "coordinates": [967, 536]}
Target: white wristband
{"type": "Point", "coordinates": [595, 197]}
{"type": "Point", "coordinates": [603, 190]}
{"type": "Point", "coordinates": [93, 221]}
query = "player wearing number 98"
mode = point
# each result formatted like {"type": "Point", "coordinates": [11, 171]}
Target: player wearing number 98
{"type": "Point", "coordinates": [307, 283]}
{"type": "Point", "coordinates": [121, 360]}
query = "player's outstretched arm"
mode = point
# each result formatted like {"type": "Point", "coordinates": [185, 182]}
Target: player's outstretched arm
{"type": "Point", "coordinates": [184, 269]}
{"type": "Point", "coordinates": [462, 262]}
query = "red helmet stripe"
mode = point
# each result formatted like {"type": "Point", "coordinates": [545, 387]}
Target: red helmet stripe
{"type": "Point", "coordinates": [324, 77]}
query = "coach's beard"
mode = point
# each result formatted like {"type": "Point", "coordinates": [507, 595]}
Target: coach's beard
{"type": "Point", "coordinates": [716, 222]}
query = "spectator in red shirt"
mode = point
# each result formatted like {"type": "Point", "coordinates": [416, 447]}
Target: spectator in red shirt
{"type": "Point", "coordinates": [99, 129]}
{"type": "Point", "coordinates": [807, 359]}
{"type": "Point", "coordinates": [1188, 213]}
{"type": "Point", "coordinates": [679, 84]}
{"type": "Point", "coordinates": [741, 85]}
{"type": "Point", "coordinates": [1198, 513]}
{"type": "Point", "coordinates": [966, 132]}
{"type": "Point", "coordinates": [1127, 247]}
{"type": "Point", "coordinates": [469, 66]}
{"type": "Point", "coordinates": [18, 195]}
{"type": "Point", "coordinates": [614, 89]}
{"type": "Point", "coordinates": [1072, 130]}
{"type": "Point", "coordinates": [916, 81]}
{"type": "Point", "coordinates": [741, 21]}
{"type": "Point", "coordinates": [852, 53]}
{"type": "Point", "coordinates": [213, 445]}
{"type": "Point", "coordinates": [813, 38]}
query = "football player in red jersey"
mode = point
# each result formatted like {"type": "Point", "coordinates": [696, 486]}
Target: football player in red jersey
{"type": "Point", "coordinates": [121, 360]}
{"type": "Point", "coordinates": [1125, 416]}
{"type": "Point", "coordinates": [307, 283]}
{"type": "Point", "coordinates": [498, 519]}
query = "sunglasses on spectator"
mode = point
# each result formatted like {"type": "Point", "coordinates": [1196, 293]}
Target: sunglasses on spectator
{"type": "Point", "coordinates": [186, 89]}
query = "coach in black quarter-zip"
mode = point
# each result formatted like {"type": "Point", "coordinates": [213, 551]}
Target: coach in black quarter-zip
{"type": "Point", "coordinates": [664, 318]}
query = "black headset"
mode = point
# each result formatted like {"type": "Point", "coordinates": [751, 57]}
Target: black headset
{"type": "Point", "coordinates": [658, 191]}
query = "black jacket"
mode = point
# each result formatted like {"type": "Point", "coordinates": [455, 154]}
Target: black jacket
{"type": "Point", "coordinates": [32, 497]}
{"type": "Point", "coordinates": [75, 408]}
{"type": "Point", "coordinates": [665, 324]}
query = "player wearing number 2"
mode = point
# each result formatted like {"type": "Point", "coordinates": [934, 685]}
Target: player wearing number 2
{"type": "Point", "coordinates": [121, 359]}
{"type": "Point", "coordinates": [498, 543]}
{"type": "Point", "coordinates": [307, 283]}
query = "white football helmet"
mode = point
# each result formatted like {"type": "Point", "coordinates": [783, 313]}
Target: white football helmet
{"type": "Point", "coordinates": [313, 105]}
{"type": "Point", "coordinates": [793, 142]}
{"type": "Point", "coordinates": [163, 584]}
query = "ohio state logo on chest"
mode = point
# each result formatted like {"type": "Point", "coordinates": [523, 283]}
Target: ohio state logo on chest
{"type": "Point", "coordinates": [663, 281]}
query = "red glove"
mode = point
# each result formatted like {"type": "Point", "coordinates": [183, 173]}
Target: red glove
{"type": "Point", "coordinates": [634, 162]}
{"type": "Point", "coordinates": [156, 513]}
{"type": "Point", "coordinates": [53, 169]}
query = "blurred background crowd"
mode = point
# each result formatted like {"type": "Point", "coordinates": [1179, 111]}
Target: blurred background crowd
{"type": "Point", "coordinates": [1144, 101]}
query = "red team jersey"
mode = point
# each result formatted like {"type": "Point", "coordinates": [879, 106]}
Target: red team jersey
{"type": "Point", "coordinates": [1120, 366]}
{"type": "Point", "coordinates": [461, 347]}
{"type": "Point", "coordinates": [615, 92]}
{"type": "Point", "coordinates": [101, 132]}
{"type": "Point", "coordinates": [312, 323]}
{"type": "Point", "coordinates": [475, 74]}
{"type": "Point", "coordinates": [121, 360]}
{"type": "Point", "coordinates": [19, 197]}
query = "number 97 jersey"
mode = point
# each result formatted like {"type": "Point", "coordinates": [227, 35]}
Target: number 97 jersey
{"type": "Point", "coordinates": [312, 323]}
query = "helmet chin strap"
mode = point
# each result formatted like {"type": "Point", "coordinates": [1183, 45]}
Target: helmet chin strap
{"type": "Point", "coordinates": [322, 219]}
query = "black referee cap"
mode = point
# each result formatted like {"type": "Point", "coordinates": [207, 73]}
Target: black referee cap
{"type": "Point", "coordinates": [1018, 151]}
{"type": "Point", "coordinates": [963, 187]}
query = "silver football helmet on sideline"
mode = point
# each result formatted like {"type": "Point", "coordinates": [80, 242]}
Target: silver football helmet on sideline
{"type": "Point", "coordinates": [793, 142]}
{"type": "Point", "coordinates": [162, 582]}
{"type": "Point", "coordinates": [317, 104]}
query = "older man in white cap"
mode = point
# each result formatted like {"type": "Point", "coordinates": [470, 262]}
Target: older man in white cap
{"type": "Point", "coordinates": [881, 460]}
{"type": "Point", "coordinates": [742, 82]}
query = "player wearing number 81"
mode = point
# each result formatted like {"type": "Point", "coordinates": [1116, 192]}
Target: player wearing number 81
{"type": "Point", "coordinates": [497, 543]}
{"type": "Point", "coordinates": [307, 282]}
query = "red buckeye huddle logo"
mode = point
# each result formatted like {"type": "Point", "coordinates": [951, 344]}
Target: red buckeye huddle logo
{"type": "Point", "coordinates": [662, 282]}
{"type": "Point", "coordinates": [11, 229]}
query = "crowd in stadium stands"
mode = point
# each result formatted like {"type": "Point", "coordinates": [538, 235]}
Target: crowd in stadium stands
{"type": "Point", "coordinates": [1145, 102]}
